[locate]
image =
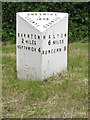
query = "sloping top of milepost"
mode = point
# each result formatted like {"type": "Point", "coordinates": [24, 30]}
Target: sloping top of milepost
{"type": "Point", "coordinates": [42, 20]}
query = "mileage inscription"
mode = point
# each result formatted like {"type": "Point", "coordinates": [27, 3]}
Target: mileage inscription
{"type": "Point", "coordinates": [29, 42]}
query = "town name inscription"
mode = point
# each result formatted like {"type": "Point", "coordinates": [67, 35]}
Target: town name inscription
{"type": "Point", "coordinates": [29, 42]}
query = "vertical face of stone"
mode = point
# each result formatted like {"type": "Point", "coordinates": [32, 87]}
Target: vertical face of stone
{"type": "Point", "coordinates": [41, 45]}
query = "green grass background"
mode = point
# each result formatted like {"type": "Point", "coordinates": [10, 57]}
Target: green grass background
{"type": "Point", "coordinates": [63, 95]}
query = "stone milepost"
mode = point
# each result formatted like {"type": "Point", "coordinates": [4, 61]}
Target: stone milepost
{"type": "Point", "coordinates": [41, 45]}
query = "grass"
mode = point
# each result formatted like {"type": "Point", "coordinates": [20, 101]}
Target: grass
{"type": "Point", "coordinates": [62, 96]}
{"type": "Point", "coordinates": [0, 81]}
